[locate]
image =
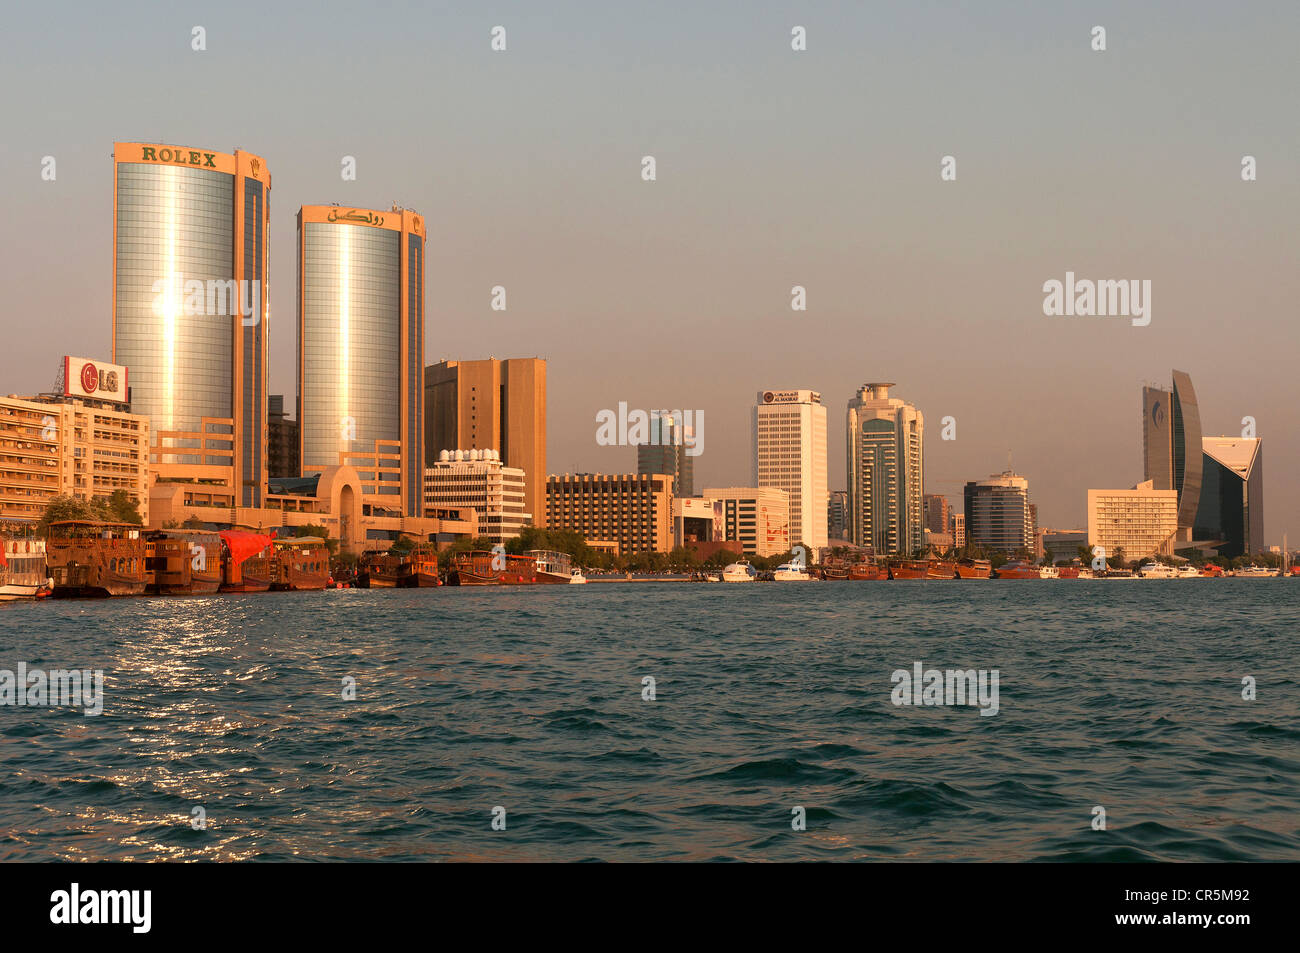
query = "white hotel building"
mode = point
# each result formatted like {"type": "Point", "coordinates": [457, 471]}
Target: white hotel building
{"type": "Point", "coordinates": [476, 478]}
{"type": "Point", "coordinates": [789, 434]}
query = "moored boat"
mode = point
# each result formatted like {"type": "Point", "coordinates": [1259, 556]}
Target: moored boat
{"type": "Point", "coordinates": [483, 568]}
{"type": "Point", "coordinates": [1255, 572]}
{"type": "Point", "coordinates": [391, 571]}
{"type": "Point", "coordinates": [96, 558]}
{"type": "Point", "coordinates": [553, 568]}
{"type": "Point", "coordinates": [791, 572]}
{"type": "Point", "coordinates": [301, 562]}
{"type": "Point", "coordinates": [909, 569]}
{"type": "Point", "coordinates": [941, 569]}
{"type": "Point", "coordinates": [576, 578]}
{"type": "Point", "coordinates": [1155, 570]}
{"type": "Point", "coordinates": [23, 572]}
{"type": "Point", "coordinates": [740, 571]}
{"type": "Point", "coordinates": [1017, 570]}
{"type": "Point", "coordinates": [424, 563]}
{"type": "Point", "coordinates": [1049, 572]}
{"type": "Point", "coordinates": [182, 562]}
{"type": "Point", "coordinates": [246, 561]}
{"type": "Point", "coordinates": [974, 569]}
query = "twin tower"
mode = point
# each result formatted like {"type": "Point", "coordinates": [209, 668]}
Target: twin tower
{"type": "Point", "coordinates": [192, 314]}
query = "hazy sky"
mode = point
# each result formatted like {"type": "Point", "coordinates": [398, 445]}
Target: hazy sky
{"type": "Point", "coordinates": [775, 168]}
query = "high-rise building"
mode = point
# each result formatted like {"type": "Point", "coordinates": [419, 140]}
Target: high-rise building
{"type": "Point", "coordinates": [666, 452]}
{"type": "Point", "coordinates": [1134, 523]}
{"type": "Point", "coordinates": [998, 513]}
{"type": "Point", "coordinates": [282, 441]}
{"type": "Point", "coordinates": [1171, 438]}
{"type": "Point", "coordinates": [936, 512]}
{"type": "Point", "coordinates": [492, 405]}
{"type": "Point", "coordinates": [190, 309]}
{"type": "Point", "coordinates": [1230, 513]}
{"type": "Point", "coordinates": [957, 528]}
{"type": "Point", "coordinates": [80, 441]}
{"type": "Point", "coordinates": [885, 437]}
{"type": "Point", "coordinates": [633, 511]}
{"type": "Point", "coordinates": [758, 518]}
{"type": "Point", "coordinates": [476, 478]}
{"type": "Point", "coordinates": [789, 438]}
{"type": "Point", "coordinates": [837, 515]}
{"type": "Point", "coordinates": [361, 349]}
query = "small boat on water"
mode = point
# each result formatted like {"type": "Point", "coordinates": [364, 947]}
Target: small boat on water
{"type": "Point", "coordinates": [484, 568]}
{"type": "Point", "coordinates": [834, 572]}
{"type": "Point", "coordinates": [1188, 572]}
{"type": "Point", "coordinates": [909, 569]}
{"type": "Point", "coordinates": [1255, 572]}
{"type": "Point", "coordinates": [576, 578]}
{"type": "Point", "coordinates": [1155, 570]}
{"type": "Point", "coordinates": [96, 558]}
{"type": "Point", "coordinates": [390, 571]}
{"type": "Point", "coordinates": [553, 568]}
{"type": "Point", "coordinates": [868, 570]}
{"type": "Point", "coordinates": [23, 573]}
{"type": "Point", "coordinates": [182, 562]}
{"type": "Point", "coordinates": [301, 562]}
{"type": "Point", "coordinates": [740, 571]}
{"type": "Point", "coordinates": [1017, 570]}
{"type": "Point", "coordinates": [974, 569]}
{"type": "Point", "coordinates": [941, 569]}
{"type": "Point", "coordinates": [424, 563]}
{"type": "Point", "coordinates": [791, 572]}
{"type": "Point", "coordinates": [246, 561]}
{"type": "Point", "coordinates": [1048, 572]}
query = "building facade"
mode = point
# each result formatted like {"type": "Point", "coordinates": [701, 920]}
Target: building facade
{"type": "Point", "coordinates": [936, 512]}
{"type": "Point", "coordinates": [59, 445]}
{"type": "Point", "coordinates": [1171, 441]}
{"type": "Point", "coordinates": [190, 308]}
{"type": "Point", "coordinates": [885, 471]}
{"type": "Point", "coordinates": [492, 405]}
{"type": "Point", "coordinates": [477, 479]}
{"type": "Point", "coordinates": [1230, 512]}
{"type": "Point", "coordinates": [667, 452]}
{"type": "Point", "coordinates": [634, 510]}
{"type": "Point", "coordinates": [789, 440]}
{"type": "Point", "coordinates": [837, 516]}
{"type": "Point", "coordinates": [998, 513]}
{"type": "Point", "coordinates": [282, 441]}
{"type": "Point", "coordinates": [756, 517]}
{"type": "Point", "coordinates": [1134, 523]}
{"type": "Point", "coordinates": [361, 349]}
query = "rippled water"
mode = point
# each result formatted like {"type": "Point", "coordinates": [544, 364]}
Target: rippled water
{"type": "Point", "coordinates": [768, 697]}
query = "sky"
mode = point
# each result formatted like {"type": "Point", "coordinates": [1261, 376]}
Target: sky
{"type": "Point", "coordinates": [774, 168]}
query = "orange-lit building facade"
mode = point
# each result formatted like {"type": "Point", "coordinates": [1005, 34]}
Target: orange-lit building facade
{"type": "Point", "coordinates": [361, 350]}
{"type": "Point", "coordinates": [191, 312]}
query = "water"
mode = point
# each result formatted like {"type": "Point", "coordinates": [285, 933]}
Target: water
{"type": "Point", "coordinates": [769, 697]}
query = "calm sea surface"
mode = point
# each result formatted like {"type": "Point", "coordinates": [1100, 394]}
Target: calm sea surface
{"type": "Point", "coordinates": [1124, 695]}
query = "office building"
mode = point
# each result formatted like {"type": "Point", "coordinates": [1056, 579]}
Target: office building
{"type": "Point", "coordinates": [1134, 523]}
{"type": "Point", "coordinates": [666, 452]}
{"type": "Point", "coordinates": [361, 349]}
{"type": "Point", "coordinates": [936, 513]}
{"type": "Point", "coordinates": [635, 511]}
{"type": "Point", "coordinates": [461, 479]}
{"type": "Point", "coordinates": [957, 528]}
{"type": "Point", "coordinates": [190, 310]}
{"type": "Point", "coordinates": [1230, 512]}
{"type": "Point", "coordinates": [789, 439]}
{"type": "Point", "coordinates": [998, 513]}
{"type": "Point", "coordinates": [492, 405]}
{"type": "Point", "coordinates": [282, 441]}
{"type": "Point", "coordinates": [756, 517]}
{"type": "Point", "coordinates": [885, 471]}
{"type": "Point", "coordinates": [1171, 439]}
{"type": "Point", "coordinates": [837, 516]}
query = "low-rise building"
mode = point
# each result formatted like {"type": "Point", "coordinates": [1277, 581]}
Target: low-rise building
{"type": "Point", "coordinates": [635, 510]}
{"type": "Point", "coordinates": [478, 479]}
{"type": "Point", "coordinates": [1136, 523]}
{"type": "Point", "coordinates": [756, 517]}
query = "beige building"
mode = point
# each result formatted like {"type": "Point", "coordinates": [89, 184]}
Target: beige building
{"type": "Point", "coordinates": [636, 510]}
{"type": "Point", "coordinates": [756, 517]}
{"type": "Point", "coordinates": [789, 439]}
{"type": "Point", "coordinates": [1142, 521]}
{"type": "Point", "coordinates": [477, 479]}
{"type": "Point", "coordinates": [491, 405]}
{"type": "Point", "coordinates": [53, 445]}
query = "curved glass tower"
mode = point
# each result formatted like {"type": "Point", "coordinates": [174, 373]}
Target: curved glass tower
{"type": "Point", "coordinates": [361, 348]}
{"type": "Point", "coordinates": [189, 303]}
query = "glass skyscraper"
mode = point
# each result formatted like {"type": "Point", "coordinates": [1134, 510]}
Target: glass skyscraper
{"type": "Point", "coordinates": [885, 437]}
{"type": "Point", "coordinates": [1171, 423]}
{"type": "Point", "coordinates": [190, 306]}
{"type": "Point", "coordinates": [361, 348]}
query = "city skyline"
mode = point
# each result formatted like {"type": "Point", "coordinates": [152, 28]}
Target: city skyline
{"type": "Point", "coordinates": [943, 275]}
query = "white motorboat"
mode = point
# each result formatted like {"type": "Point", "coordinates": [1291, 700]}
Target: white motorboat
{"type": "Point", "coordinates": [1189, 572]}
{"type": "Point", "coordinates": [1049, 572]}
{"type": "Point", "coordinates": [739, 572]}
{"type": "Point", "coordinates": [576, 578]}
{"type": "Point", "coordinates": [1255, 572]}
{"type": "Point", "coordinates": [1154, 570]}
{"type": "Point", "coordinates": [791, 572]}
{"type": "Point", "coordinates": [23, 572]}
